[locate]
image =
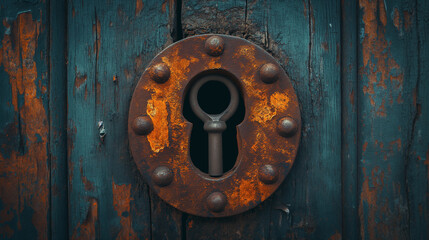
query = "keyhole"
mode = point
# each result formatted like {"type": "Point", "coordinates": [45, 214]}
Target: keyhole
{"type": "Point", "coordinates": [214, 98]}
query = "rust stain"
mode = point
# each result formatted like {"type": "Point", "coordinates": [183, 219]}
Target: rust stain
{"type": "Point", "coordinates": [79, 80]}
{"type": "Point", "coordinates": [164, 6]}
{"type": "Point", "coordinates": [139, 6]}
{"type": "Point", "coordinates": [396, 142]}
{"type": "Point", "coordinates": [381, 112]}
{"type": "Point", "coordinates": [379, 65]}
{"type": "Point", "coordinates": [336, 236]}
{"type": "Point", "coordinates": [352, 97]}
{"type": "Point", "coordinates": [24, 173]}
{"type": "Point", "coordinates": [158, 138]}
{"type": "Point", "coordinates": [87, 230]}
{"type": "Point", "coordinates": [365, 145]}
{"type": "Point", "coordinates": [408, 21]}
{"type": "Point", "coordinates": [397, 22]}
{"type": "Point", "coordinates": [86, 183]}
{"type": "Point", "coordinates": [121, 203]}
{"type": "Point", "coordinates": [370, 205]}
{"type": "Point", "coordinates": [325, 46]}
{"type": "Point", "coordinates": [96, 30]}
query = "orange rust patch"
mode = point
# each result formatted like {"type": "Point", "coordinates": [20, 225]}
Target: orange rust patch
{"type": "Point", "coordinates": [336, 236]}
{"type": "Point", "coordinates": [396, 19]}
{"type": "Point", "coordinates": [407, 20]}
{"type": "Point", "coordinates": [166, 102]}
{"type": "Point", "coordinates": [24, 174]}
{"type": "Point", "coordinates": [79, 80]}
{"type": "Point", "coordinates": [86, 183]}
{"type": "Point", "coordinates": [263, 111]}
{"type": "Point", "coordinates": [121, 203]}
{"type": "Point", "coordinates": [397, 142]}
{"type": "Point", "coordinates": [376, 56]}
{"type": "Point", "coordinates": [279, 101]}
{"type": "Point", "coordinates": [86, 230]}
{"type": "Point", "coordinates": [369, 192]}
{"type": "Point", "coordinates": [139, 6]}
{"type": "Point", "coordinates": [158, 138]}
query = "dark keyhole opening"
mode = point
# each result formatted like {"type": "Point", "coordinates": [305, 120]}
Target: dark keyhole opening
{"type": "Point", "coordinates": [213, 98]}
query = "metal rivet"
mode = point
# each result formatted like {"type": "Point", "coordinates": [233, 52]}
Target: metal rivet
{"type": "Point", "coordinates": [162, 176]}
{"type": "Point", "coordinates": [216, 202]}
{"type": "Point", "coordinates": [142, 125]}
{"type": "Point", "coordinates": [268, 174]}
{"type": "Point", "coordinates": [287, 127]}
{"type": "Point", "coordinates": [214, 46]}
{"type": "Point", "coordinates": [160, 73]}
{"type": "Point", "coordinates": [269, 73]}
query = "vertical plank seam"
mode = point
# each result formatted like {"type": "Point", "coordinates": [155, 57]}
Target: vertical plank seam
{"type": "Point", "coordinates": [415, 118]}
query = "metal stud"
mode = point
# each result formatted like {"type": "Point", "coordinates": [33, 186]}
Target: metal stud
{"type": "Point", "coordinates": [268, 174]}
{"type": "Point", "coordinates": [162, 176]}
{"type": "Point", "coordinates": [216, 202]}
{"type": "Point", "coordinates": [214, 46]}
{"type": "Point", "coordinates": [142, 125]}
{"type": "Point", "coordinates": [269, 73]}
{"type": "Point", "coordinates": [287, 127]}
{"type": "Point", "coordinates": [160, 73]}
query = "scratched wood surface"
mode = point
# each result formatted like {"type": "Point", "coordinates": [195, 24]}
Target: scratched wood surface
{"type": "Point", "coordinates": [360, 70]}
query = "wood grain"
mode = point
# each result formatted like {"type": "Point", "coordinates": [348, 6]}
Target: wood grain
{"type": "Point", "coordinates": [109, 45]}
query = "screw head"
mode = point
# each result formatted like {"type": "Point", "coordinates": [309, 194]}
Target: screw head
{"type": "Point", "coordinates": [160, 72]}
{"type": "Point", "coordinates": [214, 46]}
{"type": "Point", "coordinates": [162, 176]}
{"type": "Point", "coordinates": [216, 201]}
{"type": "Point", "coordinates": [269, 73]}
{"type": "Point", "coordinates": [287, 127]}
{"type": "Point", "coordinates": [142, 125]}
{"type": "Point", "coordinates": [268, 174]}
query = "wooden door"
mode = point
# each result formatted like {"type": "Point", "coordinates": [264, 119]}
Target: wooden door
{"type": "Point", "coordinates": [360, 70]}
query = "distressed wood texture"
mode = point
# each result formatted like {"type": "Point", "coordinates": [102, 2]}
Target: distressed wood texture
{"type": "Point", "coordinates": [24, 121]}
{"type": "Point", "coordinates": [392, 105]}
{"type": "Point", "coordinates": [109, 45]}
{"type": "Point", "coordinates": [305, 38]}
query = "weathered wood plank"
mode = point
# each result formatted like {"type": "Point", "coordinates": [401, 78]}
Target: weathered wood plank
{"type": "Point", "coordinates": [314, 188]}
{"type": "Point", "coordinates": [418, 150]}
{"type": "Point", "coordinates": [349, 116]}
{"type": "Point", "coordinates": [109, 45]}
{"type": "Point", "coordinates": [58, 118]}
{"type": "Point", "coordinates": [24, 120]}
{"type": "Point", "coordinates": [386, 85]}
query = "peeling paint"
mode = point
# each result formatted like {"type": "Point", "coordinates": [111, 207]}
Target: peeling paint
{"type": "Point", "coordinates": [29, 183]}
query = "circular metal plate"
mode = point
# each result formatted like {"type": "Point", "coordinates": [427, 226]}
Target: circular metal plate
{"type": "Point", "coordinates": [266, 153]}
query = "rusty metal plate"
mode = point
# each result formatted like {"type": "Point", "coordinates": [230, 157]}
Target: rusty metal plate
{"type": "Point", "coordinates": [268, 137]}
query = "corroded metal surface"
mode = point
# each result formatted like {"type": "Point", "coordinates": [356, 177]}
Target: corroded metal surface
{"type": "Point", "coordinates": [263, 152]}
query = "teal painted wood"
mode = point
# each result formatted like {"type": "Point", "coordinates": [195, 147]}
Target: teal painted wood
{"type": "Point", "coordinates": [313, 189]}
{"type": "Point", "coordinates": [418, 150]}
{"type": "Point", "coordinates": [109, 45]}
{"type": "Point", "coordinates": [349, 106]}
{"type": "Point", "coordinates": [388, 76]}
{"type": "Point", "coordinates": [24, 120]}
{"type": "Point", "coordinates": [58, 119]}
